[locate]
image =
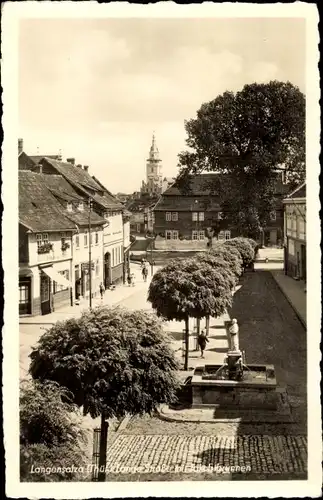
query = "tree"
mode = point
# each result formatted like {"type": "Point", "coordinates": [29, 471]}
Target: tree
{"type": "Point", "coordinates": [50, 432]}
{"type": "Point", "coordinates": [114, 361]}
{"type": "Point", "coordinates": [216, 262]}
{"type": "Point", "coordinates": [245, 249]}
{"type": "Point", "coordinates": [248, 137]}
{"type": "Point", "coordinates": [185, 289]}
{"type": "Point", "coordinates": [230, 255]}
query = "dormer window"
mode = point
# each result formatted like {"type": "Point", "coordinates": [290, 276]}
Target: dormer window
{"type": "Point", "coordinates": [69, 207]}
{"type": "Point", "coordinates": [80, 207]}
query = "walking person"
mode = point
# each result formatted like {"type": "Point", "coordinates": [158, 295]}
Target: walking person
{"type": "Point", "coordinates": [132, 277]}
{"type": "Point", "coordinates": [102, 290]}
{"type": "Point", "coordinates": [129, 279]}
{"type": "Point", "coordinates": [144, 273]}
{"type": "Point", "coordinates": [202, 340]}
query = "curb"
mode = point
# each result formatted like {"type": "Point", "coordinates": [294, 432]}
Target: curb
{"type": "Point", "coordinates": [301, 319]}
{"type": "Point", "coordinates": [123, 424]}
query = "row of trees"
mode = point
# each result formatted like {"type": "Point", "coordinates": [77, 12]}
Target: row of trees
{"type": "Point", "coordinates": [112, 361]}
{"type": "Point", "coordinates": [202, 286]}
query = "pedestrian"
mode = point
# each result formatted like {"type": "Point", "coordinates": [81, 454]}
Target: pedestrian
{"type": "Point", "coordinates": [102, 290]}
{"type": "Point", "coordinates": [143, 263]}
{"type": "Point", "coordinates": [129, 279]}
{"type": "Point", "coordinates": [202, 340]}
{"type": "Point", "coordinates": [144, 273]}
{"type": "Point", "coordinates": [132, 277]}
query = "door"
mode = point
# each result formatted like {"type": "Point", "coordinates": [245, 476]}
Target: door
{"type": "Point", "coordinates": [25, 296]}
{"type": "Point", "coordinates": [303, 262]}
{"type": "Point", "coordinates": [45, 294]}
{"type": "Point", "coordinates": [273, 237]}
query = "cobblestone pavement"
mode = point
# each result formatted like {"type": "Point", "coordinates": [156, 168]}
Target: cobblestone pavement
{"type": "Point", "coordinates": [260, 454]}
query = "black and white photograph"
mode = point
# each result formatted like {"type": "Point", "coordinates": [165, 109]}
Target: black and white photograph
{"type": "Point", "coordinates": [168, 260]}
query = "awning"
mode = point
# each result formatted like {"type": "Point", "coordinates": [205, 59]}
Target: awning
{"type": "Point", "coordinates": [25, 272]}
{"type": "Point", "coordinates": [55, 276]}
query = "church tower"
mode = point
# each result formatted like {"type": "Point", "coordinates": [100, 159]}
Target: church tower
{"type": "Point", "coordinates": [154, 177]}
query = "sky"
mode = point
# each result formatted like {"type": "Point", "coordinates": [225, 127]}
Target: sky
{"type": "Point", "coordinates": [96, 89]}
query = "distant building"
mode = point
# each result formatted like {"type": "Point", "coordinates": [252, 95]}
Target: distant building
{"type": "Point", "coordinates": [142, 215]}
{"type": "Point", "coordinates": [184, 216]}
{"type": "Point", "coordinates": [154, 179]}
{"type": "Point", "coordinates": [295, 233]}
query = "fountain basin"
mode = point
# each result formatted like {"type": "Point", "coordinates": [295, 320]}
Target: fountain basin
{"type": "Point", "coordinates": [257, 389]}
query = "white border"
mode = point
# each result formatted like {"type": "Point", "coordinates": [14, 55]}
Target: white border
{"type": "Point", "coordinates": [12, 13]}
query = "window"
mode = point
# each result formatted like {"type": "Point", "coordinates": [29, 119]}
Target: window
{"type": "Point", "coordinates": [63, 235]}
{"type": "Point", "coordinates": [201, 235]}
{"type": "Point", "coordinates": [273, 215]}
{"type": "Point", "coordinates": [195, 235]}
{"type": "Point", "coordinates": [81, 207]}
{"type": "Point", "coordinates": [227, 235]}
{"type": "Point", "coordinates": [85, 239]}
{"type": "Point", "coordinates": [138, 228]}
{"type": "Point", "coordinates": [97, 268]}
{"type": "Point", "coordinates": [60, 288]}
{"type": "Point", "coordinates": [175, 235]}
{"type": "Point", "coordinates": [41, 238]}
{"type": "Point", "coordinates": [23, 294]}
{"type": "Point", "coordinates": [77, 241]}
{"type": "Point", "coordinates": [291, 247]}
{"type": "Point", "coordinates": [220, 215]}
{"type": "Point", "coordinates": [174, 216]}
{"type": "Point", "coordinates": [69, 207]}
{"type": "Point", "coordinates": [168, 235]}
{"type": "Point", "coordinates": [201, 216]}
{"type": "Point", "coordinates": [168, 216]}
{"type": "Point", "coordinates": [194, 216]}
{"type": "Point", "coordinates": [96, 238]}
{"type": "Point", "coordinates": [301, 229]}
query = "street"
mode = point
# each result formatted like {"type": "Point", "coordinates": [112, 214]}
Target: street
{"type": "Point", "coordinates": [271, 333]}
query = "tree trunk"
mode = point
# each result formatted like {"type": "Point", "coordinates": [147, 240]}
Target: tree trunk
{"type": "Point", "coordinates": [103, 448]}
{"type": "Point", "coordinates": [198, 329]}
{"type": "Point", "coordinates": [207, 325]}
{"type": "Point", "coordinates": [186, 343]}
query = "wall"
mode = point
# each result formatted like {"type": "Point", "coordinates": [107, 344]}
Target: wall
{"type": "Point", "coordinates": [126, 233]}
{"type": "Point", "coordinates": [54, 255]}
{"type": "Point", "coordinates": [162, 244]}
{"type": "Point", "coordinates": [23, 245]}
{"type": "Point", "coordinates": [184, 225]}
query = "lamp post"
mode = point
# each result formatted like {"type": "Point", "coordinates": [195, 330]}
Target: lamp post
{"type": "Point", "coordinates": [90, 254]}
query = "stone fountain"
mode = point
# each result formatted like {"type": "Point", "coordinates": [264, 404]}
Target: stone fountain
{"type": "Point", "coordinates": [234, 384]}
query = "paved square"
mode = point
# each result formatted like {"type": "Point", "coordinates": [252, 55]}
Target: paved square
{"type": "Point", "coordinates": [260, 454]}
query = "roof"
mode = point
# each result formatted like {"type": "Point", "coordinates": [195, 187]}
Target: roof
{"type": "Point", "coordinates": [37, 158]}
{"type": "Point", "coordinates": [187, 203]}
{"type": "Point", "coordinates": [198, 185]}
{"type": "Point", "coordinates": [84, 181]}
{"type": "Point", "coordinates": [39, 210]}
{"type": "Point", "coordinates": [139, 204]}
{"type": "Point", "coordinates": [61, 189]}
{"type": "Point", "coordinates": [299, 192]}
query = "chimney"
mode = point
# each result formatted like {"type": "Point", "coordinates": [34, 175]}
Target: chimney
{"type": "Point", "coordinates": [79, 165]}
{"type": "Point", "coordinates": [86, 168]}
{"type": "Point", "coordinates": [71, 160]}
{"type": "Point", "coordinates": [59, 156]}
{"type": "Point", "coordinates": [20, 146]}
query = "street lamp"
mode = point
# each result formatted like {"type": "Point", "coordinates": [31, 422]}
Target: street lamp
{"type": "Point", "coordinates": [90, 254]}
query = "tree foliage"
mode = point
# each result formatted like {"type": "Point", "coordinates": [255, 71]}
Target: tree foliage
{"type": "Point", "coordinates": [243, 246]}
{"type": "Point", "coordinates": [189, 289]}
{"type": "Point", "coordinates": [230, 255]}
{"type": "Point", "coordinates": [113, 360]}
{"type": "Point", "coordinates": [248, 136]}
{"type": "Point", "coordinates": [51, 434]}
{"type": "Point", "coordinates": [218, 263]}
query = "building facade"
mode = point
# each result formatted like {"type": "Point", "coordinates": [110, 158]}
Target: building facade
{"type": "Point", "coordinates": [295, 233]}
{"type": "Point", "coordinates": [183, 216]}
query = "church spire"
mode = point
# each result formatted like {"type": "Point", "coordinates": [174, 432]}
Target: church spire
{"type": "Point", "coordinates": [154, 153]}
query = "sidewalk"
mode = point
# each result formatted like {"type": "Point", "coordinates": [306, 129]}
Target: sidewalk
{"type": "Point", "coordinates": [111, 297]}
{"type": "Point", "coordinates": [294, 293]}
